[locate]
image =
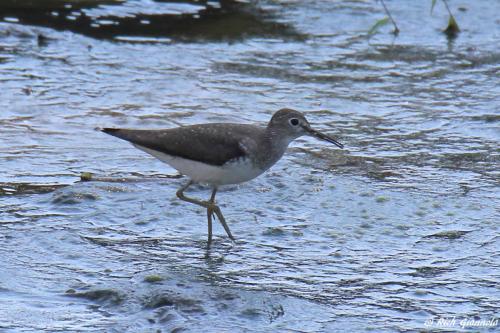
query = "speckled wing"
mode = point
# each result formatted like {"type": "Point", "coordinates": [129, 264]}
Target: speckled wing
{"type": "Point", "coordinates": [213, 144]}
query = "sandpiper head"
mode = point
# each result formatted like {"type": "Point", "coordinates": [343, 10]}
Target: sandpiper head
{"type": "Point", "coordinates": [294, 124]}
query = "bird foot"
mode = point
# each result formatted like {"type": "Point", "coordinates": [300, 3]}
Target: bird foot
{"type": "Point", "coordinates": [214, 210]}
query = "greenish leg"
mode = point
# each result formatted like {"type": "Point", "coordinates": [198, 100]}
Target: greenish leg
{"type": "Point", "coordinates": [215, 209]}
{"type": "Point", "coordinates": [212, 209]}
{"type": "Point", "coordinates": [209, 215]}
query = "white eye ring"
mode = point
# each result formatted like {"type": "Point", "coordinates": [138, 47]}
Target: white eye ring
{"type": "Point", "coordinates": [294, 121]}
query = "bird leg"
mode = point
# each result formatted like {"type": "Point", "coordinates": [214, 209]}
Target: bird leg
{"type": "Point", "coordinates": [209, 216]}
{"type": "Point", "coordinates": [212, 209]}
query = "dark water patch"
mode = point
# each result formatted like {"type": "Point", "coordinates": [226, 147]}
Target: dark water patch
{"type": "Point", "coordinates": [398, 166]}
{"type": "Point", "coordinates": [26, 188]}
{"type": "Point", "coordinates": [167, 117]}
{"type": "Point", "coordinates": [488, 118]}
{"type": "Point", "coordinates": [73, 197]}
{"type": "Point", "coordinates": [470, 160]}
{"type": "Point", "coordinates": [251, 313]}
{"type": "Point", "coordinates": [153, 278]}
{"type": "Point", "coordinates": [450, 234]}
{"type": "Point", "coordinates": [406, 53]}
{"type": "Point", "coordinates": [276, 232]}
{"type": "Point", "coordinates": [223, 20]}
{"type": "Point", "coordinates": [153, 247]}
{"type": "Point", "coordinates": [475, 59]}
{"type": "Point", "coordinates": [101, 296]}
{"type": "Point", "coordinates": [421, 57]}
{"type": "Point", "coordinates": [133, 177]}
{"type": "Point", "coordinates": [430, 271]}
{"type": "Point", "coordinates": [372, 167]}
{"type": "Point", "coordinates": [174, 300]}
{"type": "Point", "coordinates": [290, 74]}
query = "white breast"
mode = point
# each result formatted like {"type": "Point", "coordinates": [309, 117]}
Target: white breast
{"type": "Point", "coordinates": [234, 172]}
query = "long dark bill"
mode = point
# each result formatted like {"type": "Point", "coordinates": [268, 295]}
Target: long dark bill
{"type": "Point", "coordinates": [322, 136]}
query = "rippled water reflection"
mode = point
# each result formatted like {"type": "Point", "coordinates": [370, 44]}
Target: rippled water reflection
{"type": "Point", "coordinates": [400, 227]}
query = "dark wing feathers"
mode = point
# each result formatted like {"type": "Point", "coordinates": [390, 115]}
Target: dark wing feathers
{"type": "Point", "coordinates": [213, 144]}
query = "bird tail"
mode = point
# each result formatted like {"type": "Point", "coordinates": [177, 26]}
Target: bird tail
{"type": "Point", "coordinates": [107, 130]}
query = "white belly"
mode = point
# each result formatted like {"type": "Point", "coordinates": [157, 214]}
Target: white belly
{"type": "Point", "coordinates": [230, 173]}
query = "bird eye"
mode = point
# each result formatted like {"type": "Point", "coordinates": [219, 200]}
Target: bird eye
{"type": "Point", "coordinates": [294, 121]}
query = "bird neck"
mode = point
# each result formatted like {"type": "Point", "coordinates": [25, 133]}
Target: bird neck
{"type": "Point", "coordinates": [276, 142]}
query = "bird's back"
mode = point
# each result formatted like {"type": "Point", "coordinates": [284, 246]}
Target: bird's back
{"type": "Point", "coordinates": [213, 144]}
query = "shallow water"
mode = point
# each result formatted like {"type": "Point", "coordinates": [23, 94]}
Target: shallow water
{"type": "Point", "coordinates": [399, 228]}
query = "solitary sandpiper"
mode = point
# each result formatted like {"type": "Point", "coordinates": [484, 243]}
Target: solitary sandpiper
{"type": "Point", "coordinates": [220, 154]}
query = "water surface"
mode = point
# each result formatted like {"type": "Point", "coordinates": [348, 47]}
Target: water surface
{"type": "Point", "coordinates": [398, 228]}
